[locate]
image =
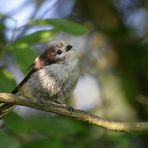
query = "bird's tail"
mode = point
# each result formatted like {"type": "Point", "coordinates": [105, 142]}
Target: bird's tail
{"type": "Point", "coordinates": [6, 107]}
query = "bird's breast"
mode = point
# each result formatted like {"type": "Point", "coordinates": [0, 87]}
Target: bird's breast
{"type": "Point", "coordinates": [52, 82]}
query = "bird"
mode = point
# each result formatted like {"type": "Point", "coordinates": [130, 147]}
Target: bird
{"type": "Point", "coordinates": [52, 76]}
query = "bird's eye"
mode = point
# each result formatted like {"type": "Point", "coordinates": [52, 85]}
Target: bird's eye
{"type": "Point", "coordinates": [59, 51]}
{"type": "Point", "coordinates": [68, 47]}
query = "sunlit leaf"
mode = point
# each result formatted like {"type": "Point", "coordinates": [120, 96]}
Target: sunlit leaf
{"type": "Point", "coordinates": [63, 25]}
{"type": "Point", "coordinates": [37, 37]}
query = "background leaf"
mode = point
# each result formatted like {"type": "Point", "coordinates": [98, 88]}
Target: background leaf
{"type": "Point", "coordinates": [7, 141]}
{"type": "Point", "coordinates": [17, 124]}
{"type": "Point", "coordinates": [52, 127]}
{"type": "Point", "coordinates": [63, 25]}
{"type": "Point", "coordinates": [37, 37]}
{"type": "Point", "coordinates": [6, 81]}
{"type": "Point", "coordinates": [43, 143]}
{"type": "Point", "coordinates": [24, 57]}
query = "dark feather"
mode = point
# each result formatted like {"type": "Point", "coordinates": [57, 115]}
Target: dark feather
{"type": "Point", "coordinates": [31, 71]}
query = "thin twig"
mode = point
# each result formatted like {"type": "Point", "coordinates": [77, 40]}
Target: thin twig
{"type": "Point", "coordinates": [77, 114]}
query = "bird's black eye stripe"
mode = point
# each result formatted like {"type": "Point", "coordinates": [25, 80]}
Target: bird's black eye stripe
{"type": "Point", "coordinates": [68, 47]}
{"type": "Point", "coordinates": [59, 51]}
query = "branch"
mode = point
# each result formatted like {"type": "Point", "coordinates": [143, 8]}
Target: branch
{"type": "Point", "coordinates": [77, 114]}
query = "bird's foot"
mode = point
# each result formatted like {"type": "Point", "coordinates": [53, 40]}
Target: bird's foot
{"type": "Point", "coordinates": [69, 108]}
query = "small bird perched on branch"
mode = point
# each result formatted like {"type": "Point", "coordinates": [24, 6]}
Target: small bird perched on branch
{"type": "Point", "coordinates": [52, 76]}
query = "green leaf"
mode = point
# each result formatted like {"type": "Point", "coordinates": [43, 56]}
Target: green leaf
{"type": "Point", "coordinates": [8, 142]}
{"type": "Point", "coordinates": [16, 123]}
{"type": "Point", "coordinates": [6, 81]}
{"type": "Point", "coordinates": [46, 126]}
{"type": "Point", "coordinates": [52, 127]}
{"type": "Point", "coordinates": [43, 143]}
{"type": "Point", "coordinates": [37, 37]}
{"type": "Point", "coordinates": [24, 57]}
{"type": "Point", "coordinates": [63, 25]}
{"type": "Point", "coordinates": [120, 139]}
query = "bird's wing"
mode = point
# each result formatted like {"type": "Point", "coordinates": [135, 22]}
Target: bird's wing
{"type": "Point", "coordinates": [44, 59]}
{"type": "Point", "coordinates": [32, 69]}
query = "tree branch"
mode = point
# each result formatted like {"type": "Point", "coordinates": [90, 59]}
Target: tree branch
{"type": "Point", "coordinates": [77, 114]}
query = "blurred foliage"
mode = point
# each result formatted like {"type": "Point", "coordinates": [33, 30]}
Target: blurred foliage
{"type": "Point", "coordinates": [58, 132]}
{"type": "Point", "coordinates": [122, 56]}
{"type": "Point", "coordinates": [8, 141]}
{"type": "Point", "coordinates": [37, 37]}
{"type": "Point", "coordinates": [7, 82]}
{"type": "Point", "coordinates": [61, 24]}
